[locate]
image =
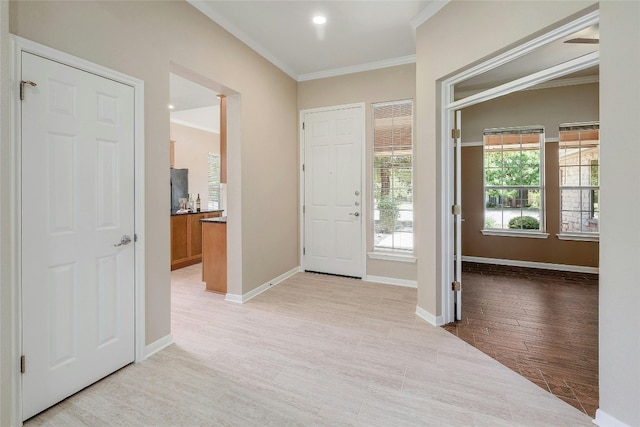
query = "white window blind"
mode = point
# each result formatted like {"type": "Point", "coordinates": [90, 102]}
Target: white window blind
{"type": "Point", "coordinates": [213, 182]}
{"type": "Point", "coordinates": [393, 175]}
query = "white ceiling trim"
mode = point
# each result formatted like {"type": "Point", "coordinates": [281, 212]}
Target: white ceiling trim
{"type": "Point", "coordinates": [428, 12]}
{"type": "Point", "coordinates": [203, 7]}
{"type": "Point", "coordinates": [546, 85]}
{"type": "Point", "coordinates": [410, 59]}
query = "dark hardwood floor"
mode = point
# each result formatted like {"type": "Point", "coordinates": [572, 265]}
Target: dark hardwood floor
{"type": "Point", "coordinates": [542, 324]}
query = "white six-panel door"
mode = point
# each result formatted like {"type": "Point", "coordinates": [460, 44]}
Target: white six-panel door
{"type": "Point", "coordinates": [77, 195]}
{"type": "Point", "coordinates": [333, 141]}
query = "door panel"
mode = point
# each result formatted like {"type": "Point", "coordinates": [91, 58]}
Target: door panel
{"type": "Point", "coordinates": [77, 195]}
{"type": "Point", "coordinates": [458, 216]}
{"type": "Point", "coordinates": [333, 191]}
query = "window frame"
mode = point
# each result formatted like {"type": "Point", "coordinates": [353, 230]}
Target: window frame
{"type": "Point", "coordinates": [210, 199]}
{"type": "Point", "coordinates": [394, 252]}
{"type": "Point", "coordinates": [539, 233]}
{"type": "Point", "coordinates": [589, 236]}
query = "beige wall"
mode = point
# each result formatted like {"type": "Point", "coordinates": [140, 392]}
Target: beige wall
{"type": "Point", "coordinates": [547, 107]}
{"type": "Point", "coordinates": [441, 52]}
{"type": "Point", "coordinates": [146, 40]}
{"type": "Point", "coordinates": [620, 231]}
{"type": "Point", "coordinates": [620, 133]}
{"type": "Point", "coordinates": [387, 84]}
{"type": "Point", "coordinates": [192, 147]}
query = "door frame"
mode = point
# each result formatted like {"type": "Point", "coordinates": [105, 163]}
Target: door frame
{"type": "Point", "coordinates": [448, 105]}
{"type": "Point", "coordinates": [363, 167]}
{"type": "Point", "coordinates": [18, 46]}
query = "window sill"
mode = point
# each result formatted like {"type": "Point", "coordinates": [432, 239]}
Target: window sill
{"type": "Point", "coordinates": [581, 237]}
{"type": "Point", "coordinates": [509, 233]}
{"type": "Point", "coordinates": [392, 256]}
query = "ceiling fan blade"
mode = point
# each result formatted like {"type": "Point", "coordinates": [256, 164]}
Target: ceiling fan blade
{"type": "Point", "coordinates": [582, 40]}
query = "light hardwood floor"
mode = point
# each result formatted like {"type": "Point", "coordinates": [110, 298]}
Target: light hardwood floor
{"type": "Point", "coordinates": [313, 351]}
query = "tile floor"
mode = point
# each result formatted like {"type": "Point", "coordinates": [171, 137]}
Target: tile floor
{"type": "Point", "coordinates": [539, 323]}
{"type": "Point", "coordinates": [312, 351]}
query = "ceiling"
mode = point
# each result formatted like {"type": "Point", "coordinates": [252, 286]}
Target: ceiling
{"type": "Point", "coordinates": [193, 105]}
{"type": "Point", "coordinates": [357, 36]}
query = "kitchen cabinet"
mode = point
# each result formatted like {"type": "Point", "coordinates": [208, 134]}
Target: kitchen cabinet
{"type": "Point", "coordinates": [186, 238]}
{"type": "Point", "coordinates": [214, 255]}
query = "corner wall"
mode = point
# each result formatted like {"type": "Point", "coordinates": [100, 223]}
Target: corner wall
{"type": "Point", "coordinates": [620, 229]}
{"type": "Point", "coordinates": [452, 40]}
{"type": "Point", "coordinates": [387, 84]}
{"type": "Point", "coordinates": [145, 40]}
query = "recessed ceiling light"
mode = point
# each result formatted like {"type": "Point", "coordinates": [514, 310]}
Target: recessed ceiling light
{"type": "Point", "coordinates": [171, 107]}
{"type": "Point", "coordinates": [319, 19]}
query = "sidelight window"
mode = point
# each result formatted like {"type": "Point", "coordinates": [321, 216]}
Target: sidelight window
{"type": "Point", "coordinates": [393, 175]}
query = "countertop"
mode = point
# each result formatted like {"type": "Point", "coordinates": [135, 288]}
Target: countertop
{"type": "Point", "coordinates": [201, 212]}
{"type": "Point", "coordinates": [218, 220]}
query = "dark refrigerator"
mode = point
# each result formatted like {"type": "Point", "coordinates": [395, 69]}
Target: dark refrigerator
{"type": "Point", "coordinates": [179, 187]}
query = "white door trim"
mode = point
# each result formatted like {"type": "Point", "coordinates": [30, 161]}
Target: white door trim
{"type": "Point", "coordinates": [448, 105]}
{"type": "Point", "coordinates": [19, 45]}
{"type": "Point", "coordinates": [365, 205]}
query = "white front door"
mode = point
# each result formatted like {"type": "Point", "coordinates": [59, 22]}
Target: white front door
{"type": "Point", "coordinates": [333, 211]}
{"type": "Point", "coordinates": [77, 175]}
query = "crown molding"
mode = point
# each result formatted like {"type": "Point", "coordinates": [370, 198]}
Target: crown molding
{"type": "Point", "coordinates": [410, 59]}
{"type": "Point", "coordinates": [546, 85]}
{"type": "Point", "coordinates": [426, 13]}
{"type": "Point", "coordinates": [206, 8]}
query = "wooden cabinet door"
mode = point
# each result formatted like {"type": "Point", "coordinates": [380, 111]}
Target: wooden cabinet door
{"type": "Point", "coordinates": [178, 238]}
{"type": "Point", "coordinates": [195, 235]}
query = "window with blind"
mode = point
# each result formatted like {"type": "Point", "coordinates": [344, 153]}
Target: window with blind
{"type": "Point", "coordinates": [579, 162]}
{"type": "Point", "coordinates": [213, 181]}
{"type": "Point", "coordinates": [393, 176]}
{"type": "Point", "coordinates": [513, 177]}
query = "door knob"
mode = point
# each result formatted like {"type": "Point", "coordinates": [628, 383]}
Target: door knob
{"type": "Point", "coordinates": [124, 240]}
{"type": "Point", "coordinates": [355, 214]}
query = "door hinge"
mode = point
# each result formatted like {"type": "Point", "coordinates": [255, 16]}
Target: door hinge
{"type": "Point", "coordinates": [25, 82]}
{"type": "Point", "coordinates": [456, 286]}
{"type": "Point", "coordinates": [23, 364]}
{"type": "Point", "coordinates": [135, 238]}
{"type": "Point", "coordinates": [302, 125]}
{"type": "Point", "coordinates": [455, 133]}
{"type": "Point", "coordinates": [303, 167]}
{"type": "Point", "coordinates": [304, 251]}
{"type": "Point", "coordinates": [456, 210]}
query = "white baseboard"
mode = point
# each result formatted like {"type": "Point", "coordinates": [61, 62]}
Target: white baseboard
{"type": "Point", "coordinates": [605, 420]}
{"type": "Point", "coordinates": [428, 317]}
{"type": "Point", "coordinates": [241, 299]}
{"type": "Point", "coordinates": [233, 298]}
{"type": "Point", "coordinates": [532, 264]}
{"type": "Point", "coordinates": [392, 281]}
{"type": "Point", "coordinates": [158, 345]}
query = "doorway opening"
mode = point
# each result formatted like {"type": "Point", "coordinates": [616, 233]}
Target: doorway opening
{"type": "Point", "coordinates": [475, 93]}
{"type": "Point", "coordinates": [205, 138]}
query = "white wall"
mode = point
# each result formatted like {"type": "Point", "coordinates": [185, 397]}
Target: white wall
{"type": "Point", "coordinates": [192, 147]}
{"type": "Point", "coordinates": [6, 397]}
{"type": "Point", "coordinates": [620, 203]}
